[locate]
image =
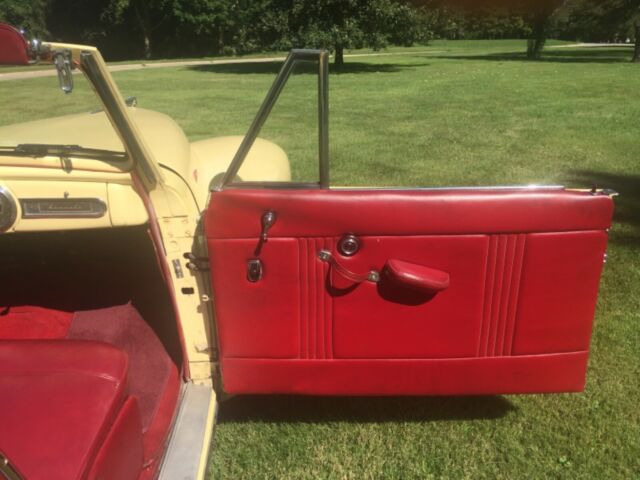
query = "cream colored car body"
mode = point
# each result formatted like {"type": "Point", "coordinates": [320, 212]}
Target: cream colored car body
{"type": "Point", "coordinates": [171, 205]}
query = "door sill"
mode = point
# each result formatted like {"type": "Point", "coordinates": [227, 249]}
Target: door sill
{"type": "Point", "coordinates": [189, 446]}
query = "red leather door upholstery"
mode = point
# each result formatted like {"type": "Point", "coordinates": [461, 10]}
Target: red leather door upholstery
{"type": "Point", "coordinates": [516, 271]}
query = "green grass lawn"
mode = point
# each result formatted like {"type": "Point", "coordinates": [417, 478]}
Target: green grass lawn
{"type": "Point", "coordinates": [464, 113]}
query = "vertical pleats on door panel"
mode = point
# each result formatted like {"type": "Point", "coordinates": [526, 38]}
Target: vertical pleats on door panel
{"type": "Point", "coordinates": [316, 306]}
{"type": "Point", "coordinates": [502, 285]}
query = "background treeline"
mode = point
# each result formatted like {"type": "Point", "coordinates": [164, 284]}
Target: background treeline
{"type": "Point", "coordinates": [126, 29]}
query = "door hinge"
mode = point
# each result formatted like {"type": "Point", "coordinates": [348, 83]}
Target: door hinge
{"type": "Point", "coordinates": [197, 264]}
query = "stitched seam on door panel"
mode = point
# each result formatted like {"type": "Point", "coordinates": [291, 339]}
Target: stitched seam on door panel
{"type": "Point", "coordinates": [316, 313]}
{"type": "Point", "coordinates": [489, 286]}
{"type": "Point", "coordinates": [328, 307]}
{"type": "Point", "coordinates": [319, 303]}
{"type": "Point", "coordinates": [506, 292]}
{"type": "Point", "coordinates": [502, 288]}
{"type": "Point", "coordinates": [304, 296]}
{"type": "Point", "coordinates": [497, 295]}
{"type": "Point", "coordinates": [312, 298]}
{"type": "Point", "coordinates": [517, 282]}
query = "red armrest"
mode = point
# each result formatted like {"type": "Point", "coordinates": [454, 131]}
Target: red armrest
{"type": "Point", "coordinates": [416, 277]}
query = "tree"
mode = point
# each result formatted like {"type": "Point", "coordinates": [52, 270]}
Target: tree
{"type": "Point", "coordinates": [29, 16]}
{"type": "Point", "coordinates": [204, 21]}
{"type": "Point", "coordinates": [537, 13]}
{"type": "Point", "coordinates": [147, 16]}
{"type": "Point", "coordinates": [343, 24]}
{"type": "Point", "coordinates": [606, 20]}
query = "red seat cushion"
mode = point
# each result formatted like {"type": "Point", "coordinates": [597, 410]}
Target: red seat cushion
{"type": "Point", "coordinates": [58, 400]}
{"type": "Point", "coordinates": [33, 323]}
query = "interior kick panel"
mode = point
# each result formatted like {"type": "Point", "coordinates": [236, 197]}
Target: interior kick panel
{"type": "Point", "coordinates": [523, 273]}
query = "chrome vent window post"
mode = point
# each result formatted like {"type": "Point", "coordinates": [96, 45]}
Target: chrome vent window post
{"type": "Point", "coordinates": [294, 57]}
{"type": "Point", "coordinates": [8, 210]}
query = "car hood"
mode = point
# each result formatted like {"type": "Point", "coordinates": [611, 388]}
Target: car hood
{"type": "Point", "coordinates": [164, 138]}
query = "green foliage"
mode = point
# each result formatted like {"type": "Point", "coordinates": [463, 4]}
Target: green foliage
{"type": "Point", "coordinates": [27, 15]}
{"type": "Point", "coordinates": [172, 28]}
{"type": "Point", "coordinates": [451, 23]}
{"type": "Point", "coordinates": [600, 20]}
{"type": "Point", "coordinates": [333, 24]}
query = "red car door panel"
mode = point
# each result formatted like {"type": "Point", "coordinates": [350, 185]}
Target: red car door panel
{"type": "Point", "coordinates": [385, 320]}
{"type": "Point", "coordinates": [513, 278]}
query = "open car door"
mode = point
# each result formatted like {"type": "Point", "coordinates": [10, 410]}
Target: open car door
{"type": "Point", "coordinates": [338, 291]}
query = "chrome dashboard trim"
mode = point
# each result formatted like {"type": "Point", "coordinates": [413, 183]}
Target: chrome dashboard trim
{"type": "Point", "coordinates": [38, 208]}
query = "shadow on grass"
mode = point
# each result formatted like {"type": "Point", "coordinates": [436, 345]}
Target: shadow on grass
{"type": "Point", "coordinates": [273, 68]}
{"type": "Point", "coordinates": [583, 55]}
{"type": "Point", "coordinates": [302, 409]}
{"type": "Point", "coordinates": [627, 205]}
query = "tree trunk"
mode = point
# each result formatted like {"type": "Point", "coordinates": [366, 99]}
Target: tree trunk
{"type": "Point", "coordinates": [147, 45]}
{"type": "Point", "coordinates": [538, 36]}
{"type": "Point", "coordinates": [636, 50]}
{"type": "Point", "coordinates": [144, 21]}
{"type": "Point", "coordinates": [339, 57]}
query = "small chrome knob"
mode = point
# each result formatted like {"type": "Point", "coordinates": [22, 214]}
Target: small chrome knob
{"type": "Point", "coordinates": [348, 245]}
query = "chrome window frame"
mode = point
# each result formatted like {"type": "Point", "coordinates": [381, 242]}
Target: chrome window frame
{"type": "Point", "coordinates": [295, 56]}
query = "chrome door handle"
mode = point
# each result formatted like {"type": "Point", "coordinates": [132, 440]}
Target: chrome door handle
{"type": "Point", "coordinates": [371, 276]}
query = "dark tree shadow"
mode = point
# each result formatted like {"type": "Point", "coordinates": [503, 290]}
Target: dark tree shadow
{"type": "Point", "coordinates": [560, 55]}
{"type": "Point", "coordinates": [302, 409]}
{"type": "Point", "coordinates": [309, 68]}
{"type": "Point", "coordinates": [627, 204]}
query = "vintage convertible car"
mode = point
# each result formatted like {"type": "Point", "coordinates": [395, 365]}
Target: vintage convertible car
{"type": "Point", "coordinates": [142, 274]}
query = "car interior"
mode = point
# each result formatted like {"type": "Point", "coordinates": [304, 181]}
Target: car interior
{"type": "Point", "coordinates": [88, 338]}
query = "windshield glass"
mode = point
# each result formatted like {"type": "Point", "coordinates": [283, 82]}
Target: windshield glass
{"type": "Point", "coordinates": [36, 112]}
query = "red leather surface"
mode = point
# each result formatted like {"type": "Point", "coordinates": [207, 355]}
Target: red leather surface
{"type": "Point", "coordinates": [416, 277]}
{"type": "Point", "coordinates": [59, 399]}
{"type": "Point", "coordinates": [502, 251]}
{"type": "Point", "coordinates": [121, 454]}
{"type": "Point", "coordinates": [153, 377]}
{"type": "Point", "coordinates": [13, 46]}
{"type": "Point", "coordinates": [236, 213]}
{"type": "Point", "coordinates": [564, 372]}
{"type": "Point", "coordinates": [558, 292]}
{"type": "Point", "coordinates": [32, 323]}
{"type": "Point", "coordinates": [263, 315]}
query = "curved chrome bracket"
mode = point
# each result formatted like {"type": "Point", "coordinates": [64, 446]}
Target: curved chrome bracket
{"type": "Point", "coordinates": [371, 276]}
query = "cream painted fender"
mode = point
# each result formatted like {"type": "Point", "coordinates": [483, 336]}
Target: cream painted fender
{"type": "Point", "coordinates": [210, 158]}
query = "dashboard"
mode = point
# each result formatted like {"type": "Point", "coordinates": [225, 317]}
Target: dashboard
{"type": "Point", "coordinates": [41, 203]}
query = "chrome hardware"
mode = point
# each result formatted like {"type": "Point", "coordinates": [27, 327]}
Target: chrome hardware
{"type": "Point", "coordinates": [196, 264]}
{"type": "Point", "coordinates": [609, 192]}
{"type": "Point", "coordinates": [254, 270]}
{"type": "Point", "coordinates": [268, 219]}
{"type": "Point", "coordinates": [63, 207]}
{"type": "Point", "coordinates": [177, 268]}
{"type": "Point", "coordinates": [7, 470]}
{"type": "Point", "coordinates": [62, 61]}
{"type": "Point", "coordinates": [348, 245]}
{"type": "Point", "coordinates": [8, 210]}
{"type": "Point", "coordinates": [371, 276]}
{"type": "Point", "coordinates": [295, 56]}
